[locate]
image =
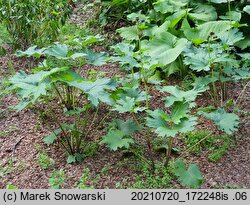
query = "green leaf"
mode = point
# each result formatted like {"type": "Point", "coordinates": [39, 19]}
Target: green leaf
{"type": "Point", "coordinates": [90, 40]}
{"type": "Point", "coordinates": [233, 15]}
{"type": "Point", "coordinates": [127, 127]}
{"type": "Point", "coordinates": [97, 59]}
{"type": "Point", "coordinates": [165, 127]}
{"type": "Point", "coordinates": [169, 6]}
{"type": "Point", "coordinates": [227, 122]}
{"type": "Point", "coordinates": [230, 37]}
{"type": "Point", "coordinates": [220, 1]}
{"type": "Point", "coordinates": [71, 159]}
{"type": "Point", "coordinates": [50, 139]}
{"type": "Point", "coordinates": [31, 51]}
{"type": "Point", "coordinates": [203, 31]}
{"type": "Point", "coordinates": [32, 87]}
{"type": "Point", "coordinates": [198, 59]}
{"type": "Point", "coordinates": [96, 90]}
{"type": "Point", "coordinates": [125, 105]}
{"type": "Point", "coordinates": [165, 47]}
{"type": "Point", "coordinates": [191, 177]}
{"type": "Point", "coordinates": [179, 95]}
{"type": "Point", "coordinates": [116, 139]}
{"type": "Point", "coordinates": [179, 111]}
{"type": "Point", "coordinates": [204, 12]}
{"type": "Point", "coordinates": [11, 187]}
{"type": "Point", "coordinates": [129, 33]}
{"type": "Point", "coordinates": [247, 9]}
{"type": "Point", "coordinates": [59, 51]}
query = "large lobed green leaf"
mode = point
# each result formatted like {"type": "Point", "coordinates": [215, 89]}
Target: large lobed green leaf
{"type": "Point", "coordinates": [170, 125]}
{"type": "Point", "coordinates": [192, 178]}
{"type": "Point", "coordinates": [165, 47]}
{"type": "Point", "coordinates": [227, 122]}
{"type": "Point", "coordinates": [116, 139]}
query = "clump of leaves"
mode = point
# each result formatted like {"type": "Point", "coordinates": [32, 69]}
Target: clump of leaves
{"type": "Point", "coordinates": [160, 179]}
{"type": "Point", "coordinates": [76, 95]}
{"type": "Point", "coordinates": [178, 121]}
{"type": "Point", "coordinates": [119, 134]}
{"type": "Point", "coordinates": [22, 17]}
{"type": "Point", "coordinates": [43, 159]}
{"type": "Point", "coordinates": [203, 140]}
{"type": "Point", "coordinates": [85, 180]}
{"type": "Point", "coordinates": [57, 179]}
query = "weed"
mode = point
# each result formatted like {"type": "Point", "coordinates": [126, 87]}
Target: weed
{"type": "Point", "coordinates": [7, 168]}
{"type": "Point", "coordinates": [11, 187]}
{"type": "Point", "coordinates": [9, 130]}
{"type": "Point", "coordinates": [161, 178]}
{"type": "Point", "coordinates": [57, 179]}
{"type": "Point", "coordinates": [202, 140]}
{"type": "Point", "coordinates": [43, 159]}
{"type": "Point", "coordinates": [85, 180]}
{"type": "Point", "coordinates": [10, 166]}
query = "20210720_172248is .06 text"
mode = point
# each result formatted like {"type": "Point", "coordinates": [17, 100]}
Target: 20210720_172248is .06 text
{"type": "Point", "coordinates": [98, 196]}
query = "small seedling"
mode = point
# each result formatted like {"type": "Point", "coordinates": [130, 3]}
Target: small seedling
{"type": "Point", "coordinates": [57, 179]}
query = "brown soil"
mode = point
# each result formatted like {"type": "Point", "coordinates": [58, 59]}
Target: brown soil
{"type": "Point", "coordinates": [18, 155]}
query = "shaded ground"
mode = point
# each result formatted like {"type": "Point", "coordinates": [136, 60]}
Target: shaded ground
{"type": "Point", "coordinates": [21, 131]}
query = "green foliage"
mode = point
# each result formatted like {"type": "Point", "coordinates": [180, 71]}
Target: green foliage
{"type": "Point", "coordinates": [170, 126]}
{"type": "Point", "coordinates": [119, 134]}
{"type": "Point", "coordinates": [226, 122]}
{"type": "Point", "coordinates": [45, 161]}
{"type": "Point", "coordinates": [11, 187]}
{"type": "Point", "coordinates": [178, 95]}
{"type": "Point", "coordinates": [160, 179]}
{"type": "Point", "coordinates": [191, 177]}
{"type": "Point", "coordinates": [203, 141]}
{"type": "Point", "coordinates": [69, 89]}
{"type": "Point", "coordinates": [116, 139]}
{"type": "Point", "coordinates": [85, 180]}
{"type": "Point", "coordinates": [30, 22]}
{"type": "Point", "coordinates": [165, 47]}
{"type": "Point", "coordinates": [57, 179]}
{"type": "Point", "coordinates": [8, 131]}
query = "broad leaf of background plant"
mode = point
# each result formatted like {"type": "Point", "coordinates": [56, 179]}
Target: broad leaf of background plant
{"type": "Point", "coordinates": [247, 9]}
{"type": "Point", "coordinates": [58, 50]}
{"type": "Point", "coordinates": [97, 90]}
{"type": "Point", "coordinates": [31, 51]}
{"type": "Point", "coordinates": [165, 47]}
{"type": "Point", "coordinates": [192, 178]}
{"type": "Point", "coordinates": [169, 6]}
{"type": "Point", "coordinates": [124, 105]}
{"type": "Point", "coordinates": [96, 58]}
{"type": "Point", "coordinates": [203, 12]}
{"type": "Point", "coordinates": [179, 95]}
{"type": "Point", "coordinates": [128, 127]}
{"type": "Point", "coordinates": [197, 59]}
{"type": "Point", "coordinates": [202, 32]}
{"type": "Point", "coordinates": [220, 1]}
{"type": "Point", "coordinates": [179, 111]}
{"type": "Point", "coordinates": [50, 139]}
{"type": "Point", "coordinates": [31, 87]}
{"type": "Point", "coordinates": [227, 122]}
{"type": "Point", "coordinates": [133, 92]}
{"type": "Point", "coordinates": [230, 37]}
{"type": "Point", "coordinates": [129, 33]}
{"type": "Point", "coordinates": [116, 139]}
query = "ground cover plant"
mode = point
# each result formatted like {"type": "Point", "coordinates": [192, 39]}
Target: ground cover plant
{"type": "Point", "coordinates": [156, 109]}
